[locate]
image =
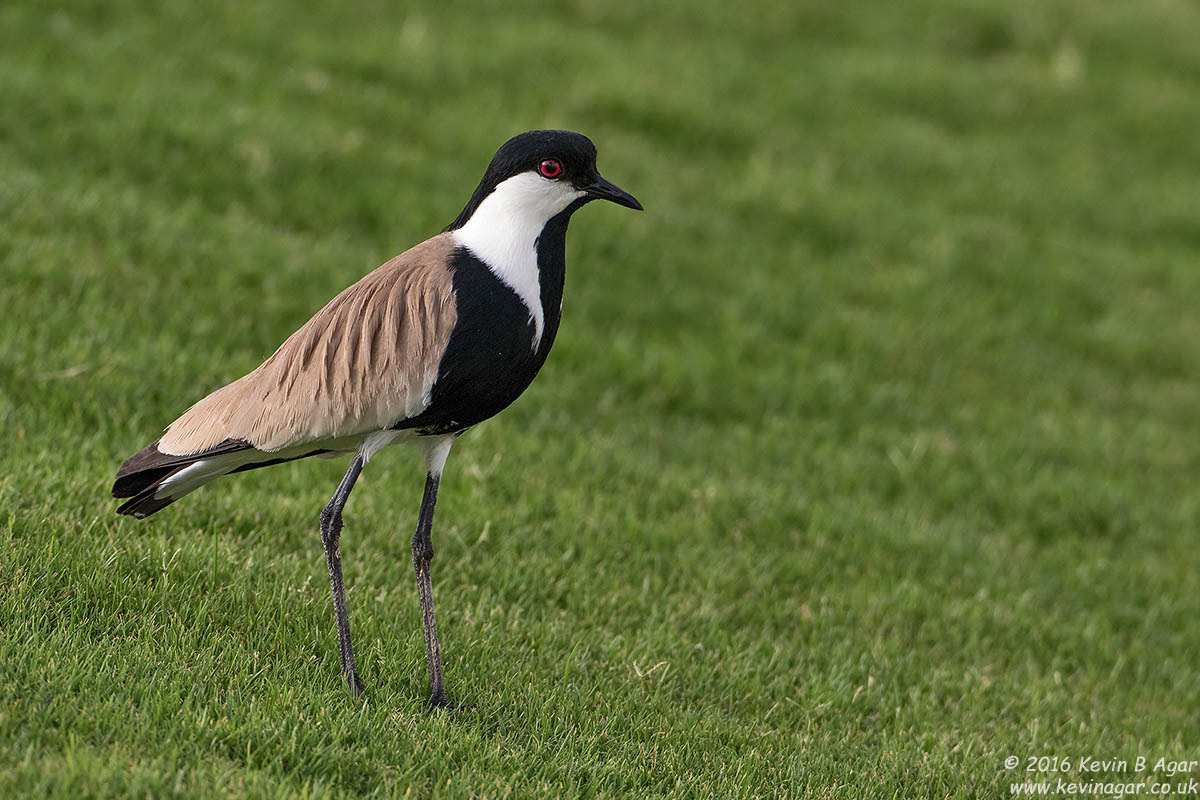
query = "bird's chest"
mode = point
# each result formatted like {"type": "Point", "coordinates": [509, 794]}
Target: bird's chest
{"type": "Point", "coordinates": [493, 354]}
{"type": "Point", "coordinates": [494, 341]}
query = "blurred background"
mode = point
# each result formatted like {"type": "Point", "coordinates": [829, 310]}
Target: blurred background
{"type": "Point", "coordinates": [867, 455]}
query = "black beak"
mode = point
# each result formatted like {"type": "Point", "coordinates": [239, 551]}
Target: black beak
{"type": "Point", "coordinates": [603, 190]}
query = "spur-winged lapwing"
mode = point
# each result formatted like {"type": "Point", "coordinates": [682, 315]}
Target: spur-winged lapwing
{"type": "Point", "coordinates": [436, 340]}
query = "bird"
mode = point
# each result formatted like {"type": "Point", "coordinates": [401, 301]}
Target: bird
{"type": "Point", "coordinates": [438, 339]}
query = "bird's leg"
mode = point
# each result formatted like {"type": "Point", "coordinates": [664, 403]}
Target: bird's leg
{"type": "Point", "coordinates": [331, 531]}
{"type": "Point", "coordinates": [422, 551]}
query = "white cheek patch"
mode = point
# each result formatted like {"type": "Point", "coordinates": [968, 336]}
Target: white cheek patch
{"type": "Point", "coordinates": [503, 233]}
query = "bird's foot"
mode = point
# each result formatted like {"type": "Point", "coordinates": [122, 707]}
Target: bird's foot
{"type": "Point", "coordinates": [439, 702]}
{"type": "Point", "coordinates": [355, 683]}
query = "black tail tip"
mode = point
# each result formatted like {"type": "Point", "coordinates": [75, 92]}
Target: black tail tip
{"type": "Point", "coordinates": [142, 469]}
{"type": "Point", "coordinates": [144, 505]}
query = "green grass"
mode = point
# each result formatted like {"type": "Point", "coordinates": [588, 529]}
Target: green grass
{"type": "Point", "coordinates": [867, 456]}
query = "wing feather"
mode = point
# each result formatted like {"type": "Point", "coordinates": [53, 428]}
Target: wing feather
{"type": "Point", "coordinates": [364, 362]}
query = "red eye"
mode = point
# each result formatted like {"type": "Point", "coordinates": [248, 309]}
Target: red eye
{"type": "Point", "coordinates": [550, 168]}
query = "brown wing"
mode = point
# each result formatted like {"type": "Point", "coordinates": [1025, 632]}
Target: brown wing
{"type": "Point", "coordinates": [365, 361]}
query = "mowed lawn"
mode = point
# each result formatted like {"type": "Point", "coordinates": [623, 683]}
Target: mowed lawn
{"type": "Point", "coordinates": [868, 456]}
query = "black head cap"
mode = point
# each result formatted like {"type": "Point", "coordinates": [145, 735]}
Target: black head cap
{"type": "Point", "coordinates": [556, 155]}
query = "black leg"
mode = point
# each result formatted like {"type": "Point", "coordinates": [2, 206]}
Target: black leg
{"type": "Point", "coordinates": [331, 531]}
{"type": "Point", "coordinates": [422, 551]}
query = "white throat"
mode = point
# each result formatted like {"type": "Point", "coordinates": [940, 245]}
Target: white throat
{"type": "Point", "coordinates": [503, 234]}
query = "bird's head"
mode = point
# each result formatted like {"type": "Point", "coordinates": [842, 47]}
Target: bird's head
{"type": "Point", "coordinates": [540, 174]}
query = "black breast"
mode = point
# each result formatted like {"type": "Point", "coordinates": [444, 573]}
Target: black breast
{"type": "Point", "coordinates": [490, 359]}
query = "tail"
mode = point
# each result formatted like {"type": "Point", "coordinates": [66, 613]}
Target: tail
{"type": "Point", "coordinates": [153, 479]}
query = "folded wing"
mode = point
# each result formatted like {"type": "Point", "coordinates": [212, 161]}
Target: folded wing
{"type": "Point", "coordinates": [364, 362]}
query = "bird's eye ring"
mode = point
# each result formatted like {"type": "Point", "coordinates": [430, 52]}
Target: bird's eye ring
{"type": "Point", "coordinates": [550, 168]}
